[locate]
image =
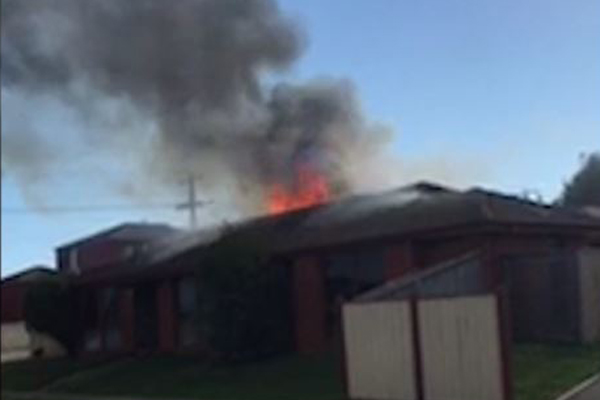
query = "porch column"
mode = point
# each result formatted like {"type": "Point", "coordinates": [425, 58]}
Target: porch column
{"type": "Point", "coordinates": [310, 306]}
{"type": "Point", "coordinates": [127, 319]}
{"type": "Point", "coordinates": [166, 317]}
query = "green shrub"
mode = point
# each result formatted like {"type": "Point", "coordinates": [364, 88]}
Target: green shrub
{"type": "Point", "coordinates": [244, 302]}
{"type": "Point", "coordinates": [49, 308]}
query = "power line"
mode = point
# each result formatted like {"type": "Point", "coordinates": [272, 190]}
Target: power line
{"type": "Point", "coordinates": [191, 205]}
{"type": "Point", "coordinates": [87, 208]}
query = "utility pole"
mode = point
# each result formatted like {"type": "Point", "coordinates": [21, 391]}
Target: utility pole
{"type": "Point", "coordinates": [192, 202]}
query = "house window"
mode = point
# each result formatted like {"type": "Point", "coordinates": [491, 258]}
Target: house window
{"type": "Point", "coordinates": [349, 274]}
{"type": "Point", "coordinates": [74, 261]}
{"type": "Point", "coordinates": [91, 336]}
{"type": "Point", "coordinates": [187, 307]}
{"type": "Point", "coordinates": [110, 314]}
{"type": "Point", "coordinates": [352, 273]}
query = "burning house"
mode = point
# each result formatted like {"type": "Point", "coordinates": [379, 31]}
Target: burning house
{"type": "Point", "coordinates": [546, 257]}
{"type": "Point", "coordinates": [195, 83]}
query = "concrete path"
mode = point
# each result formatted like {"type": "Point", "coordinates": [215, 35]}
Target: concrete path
{"type": "Point", "coordinates": [15, 355]}
{"type": "Point", "coordinates": [6, 395]}
{"type": "Point", "coordinates": [589, 391]}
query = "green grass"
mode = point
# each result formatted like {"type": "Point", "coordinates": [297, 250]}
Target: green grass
{"type": "Point", "coordinates": [32, 375]}
{"type": "Point", "coordinates": [286, 378]}
{"type": "Point", "coordinates": [541, 373]}
{"type": "Point", "coordinates": [544, 372]}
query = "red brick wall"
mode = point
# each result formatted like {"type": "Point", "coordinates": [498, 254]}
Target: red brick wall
{"type": "Point", "coordinates": [310, 306]}
{"type": "Point", "coordinates": [93, 255]}
{"type": "Point", "coordinates": [13, 294]}
{"type": "Point", "coordinates": [399, 260]}
{"type": "Point", "coordinates": [166, 317]}
{"type": "Point", "coordinates": [127, 319]}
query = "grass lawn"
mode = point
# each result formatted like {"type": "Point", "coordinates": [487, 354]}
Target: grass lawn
{"type": "Point", "coordinates": [287, 378]}
{"type": "Point", "coordinates": [32, 375]}
{"type": "Point", "coordinates": [541, 373]}
{"type": "Point", "coordinates": [544, 372]}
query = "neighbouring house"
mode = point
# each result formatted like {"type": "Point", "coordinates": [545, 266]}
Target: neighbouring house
{"type": "Point", "coordinates": [112, 248]}
{"type": "Point", "coordinates": [92, 258]}
{"type": "Point", "coordinates": [547, 258]}
{"type": "Point", "coordinates": [18, 342]}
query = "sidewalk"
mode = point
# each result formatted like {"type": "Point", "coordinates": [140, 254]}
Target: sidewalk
{"type": "Point", "coordinates": [15, 355]}
{"type": "Point", "coordinates": [589, 391]}
{"type": "Point", "coordinates": [41, 395]}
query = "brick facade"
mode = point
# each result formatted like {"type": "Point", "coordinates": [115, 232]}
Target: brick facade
{"type": "Point", "coordinates": [310, 306]}
{"type": "Point", "coordinates": [167, 323]}
{"type": "Point", "coordinates": [127, 315]}
{"type": "Point", "coordinates": [399, 260]}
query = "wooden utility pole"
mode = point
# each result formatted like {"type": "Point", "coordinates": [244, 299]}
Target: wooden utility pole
{"type": "Point", "coordinates": [192, 202]}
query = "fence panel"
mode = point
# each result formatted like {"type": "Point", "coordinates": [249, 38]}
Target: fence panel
{"type": "Point", "coordinates": [461, 348]}
{"type": "Point", "coordinates": [379, 351]}
{"type": "Point", "coordinates": [589, 277]}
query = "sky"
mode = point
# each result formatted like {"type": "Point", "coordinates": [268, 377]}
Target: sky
{"type": "Point", "coordinates": [501, 94]}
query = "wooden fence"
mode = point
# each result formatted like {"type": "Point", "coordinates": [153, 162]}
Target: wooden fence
{"type": "Point", "coordinates": [450, 348]}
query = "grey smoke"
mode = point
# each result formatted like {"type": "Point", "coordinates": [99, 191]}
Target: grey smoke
{"type": "Point", "coordinates": [583, 190]}
{"type": "Point", "coordinates": [197, 68]}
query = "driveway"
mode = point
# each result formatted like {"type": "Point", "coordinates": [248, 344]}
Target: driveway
{"type": "Point", "coordinates": [14, 355]}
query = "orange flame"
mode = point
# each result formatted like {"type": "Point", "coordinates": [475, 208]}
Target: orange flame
{"type": "Point", "coordinates": [311, 188]}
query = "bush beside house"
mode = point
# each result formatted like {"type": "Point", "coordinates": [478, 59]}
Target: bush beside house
{"type": "Point", "coordinates": [50, 317]}
{"type": "Point", "coordinates": [243, 302]}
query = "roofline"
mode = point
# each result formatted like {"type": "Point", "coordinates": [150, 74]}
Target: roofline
{"type": "Point", "coordinates": [91, 237]}
{"type": "Point", "coordinates": [461, 229]}
{"type": "Point", "coordinates": [105, 232]}
{"type": "Point", "coordinates": [180, 268]}
{"type": "Point", "coordinates": [26, 271]}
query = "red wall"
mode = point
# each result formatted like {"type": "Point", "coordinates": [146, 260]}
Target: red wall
{"type": "Point", "coordinates": [400, 260]}
{"type": "Point", "coordinates": [93, 255]}
{"type": "Point", "coordinates": [127, 319]}
{"type": "Point", "coordinates": [13, 294]}
{"type": "Point", "coordinates": [310, 306]}
{"type": "Point", "coordinates": [166, 317]}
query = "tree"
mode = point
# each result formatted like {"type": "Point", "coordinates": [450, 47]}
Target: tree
{"type": "Point", "coordinates": [244, 302]}
{"type": "Point", "coordinates": [584, 188]}
{"type": "Point", "coordinates": [49, 309]}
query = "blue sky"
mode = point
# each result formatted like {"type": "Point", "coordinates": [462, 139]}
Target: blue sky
{"type": "Point", "coordinates": [508, 90]}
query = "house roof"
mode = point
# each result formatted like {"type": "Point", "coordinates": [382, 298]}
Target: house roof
{"type": "Point", "coordinates": [30, 275]}
{"type": "Point", "coordinates": [408, 210]}
{"type": "Point", "coordinates": [129, 232]}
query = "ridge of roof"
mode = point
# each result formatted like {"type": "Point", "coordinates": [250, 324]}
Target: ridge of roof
{"type": "Point", "coordinates": [28, 272]}
{"type": "Point", "coordinates": [112, 231]}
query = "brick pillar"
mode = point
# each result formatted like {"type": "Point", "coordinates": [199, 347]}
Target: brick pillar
{"type": "Point", "coordinates": [101, 319]}
{"type": "Point", "coordinates": [399, 260]}
{"type": "Point", "coordinates": [166, 317]}
{"type": "Point", "coordinates": [127, 316]}
{"type": "Point", "coordinates": [310, 306]}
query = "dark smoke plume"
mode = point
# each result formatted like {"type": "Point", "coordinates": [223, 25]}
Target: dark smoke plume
{"type": "Point", "coordinates": [197, 69]}
{"type": "Point", "coordinates": [584, 188]}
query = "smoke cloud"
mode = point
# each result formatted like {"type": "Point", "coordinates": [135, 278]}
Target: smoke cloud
{"type": "Point", "coordinates": [197, 68]}
{"type": "Point", "coordinates": [184, 87]}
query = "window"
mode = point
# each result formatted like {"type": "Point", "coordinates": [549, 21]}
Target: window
{"type": "Point", "coordinates": [349, 273]}
{"type": "Point", "coordinates": [110, 311]}
{"type": "Point", "coordinates": [187, 306]}
{"type": "Point", "coordinates": [353, 272]}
